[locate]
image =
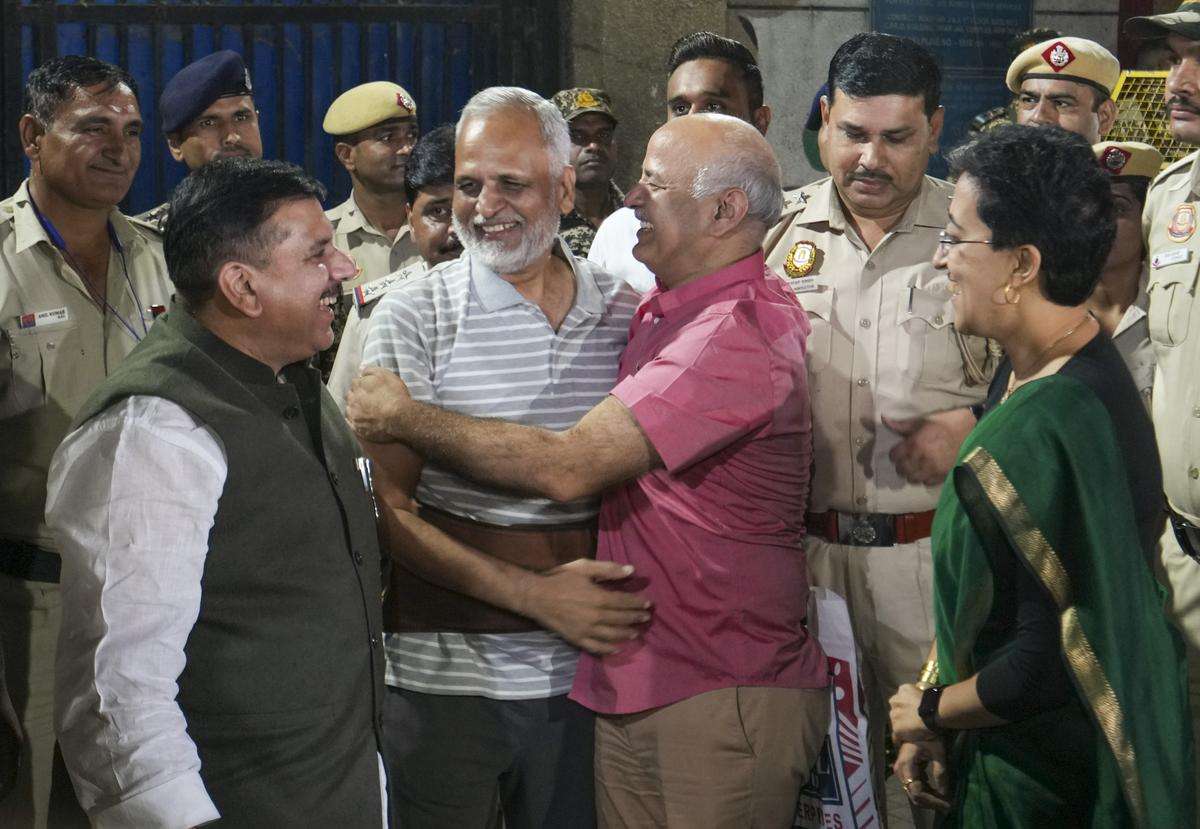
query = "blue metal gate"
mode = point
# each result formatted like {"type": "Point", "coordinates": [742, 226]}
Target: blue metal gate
{"type": "Point", "coordinates": [301, 55]}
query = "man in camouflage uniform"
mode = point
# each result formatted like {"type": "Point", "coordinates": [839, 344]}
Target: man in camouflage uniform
{"type": "Point", "coordinates": [594, 157]}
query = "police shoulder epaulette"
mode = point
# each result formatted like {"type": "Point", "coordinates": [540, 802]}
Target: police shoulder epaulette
{"type": "Point", "coordinates": [1183, 165]}
{"type": "Point", "coordinates": [794, 200]}
{"type": "Point", "coordinates": [152, 220]}
{"type": "Point", "coordinates": [368, 292]}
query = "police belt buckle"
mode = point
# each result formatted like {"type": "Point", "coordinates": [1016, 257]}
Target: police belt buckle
{"type": "Point", "coordinates": [866, 529]}
{"type": "Point", "coordinates": [1188, 536]}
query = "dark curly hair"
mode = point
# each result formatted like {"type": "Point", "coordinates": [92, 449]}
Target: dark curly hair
{"type": "Point", "coordinates": [1041, 186]}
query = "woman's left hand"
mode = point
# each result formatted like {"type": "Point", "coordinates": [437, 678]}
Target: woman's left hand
{"type": "Point", "coordinates": [906, 722]}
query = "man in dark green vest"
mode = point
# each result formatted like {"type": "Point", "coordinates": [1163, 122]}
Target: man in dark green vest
{"type": "Point", "coordinates": [220, 655]}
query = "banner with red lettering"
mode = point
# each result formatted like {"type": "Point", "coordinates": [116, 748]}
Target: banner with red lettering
{"type": "Point", "coordinates": [839, 794]}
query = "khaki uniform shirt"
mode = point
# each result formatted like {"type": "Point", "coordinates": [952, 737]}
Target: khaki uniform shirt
{"type": "Point", "coordinates": [354, 335]}
{"type": "Point", "coordinates": [1170, 226]}
{"type": "Point", "coordinates": [56, 346]}
{"type": "Point", "coordinates": [1132, 340]}
{"type": "Point", "coordinates": [375, 254]}
{"type": "Point", "coordinates": [883, 343]}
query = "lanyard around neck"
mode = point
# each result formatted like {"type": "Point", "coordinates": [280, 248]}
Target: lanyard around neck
{"type": "Point", "coordinates": [60, 243]}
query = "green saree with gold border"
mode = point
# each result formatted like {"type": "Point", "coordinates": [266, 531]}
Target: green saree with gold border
{"type": "Point", "coordinates": [1041, 478]}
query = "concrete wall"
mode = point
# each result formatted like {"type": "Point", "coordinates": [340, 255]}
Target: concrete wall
{"type": "Point", "coordinates": [621, 45]}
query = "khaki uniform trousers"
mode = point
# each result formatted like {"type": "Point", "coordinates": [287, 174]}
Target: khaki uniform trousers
{"type": "Point", "coordinates": [30, 617]}
{"type": "Point", "coordinates": [733, 758]}
{"type": "Point", "coordinates": [889, 593]}
{"type": "Point", "coordinates": [1181, 575]}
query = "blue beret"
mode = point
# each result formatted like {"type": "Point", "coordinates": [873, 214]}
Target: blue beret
{"type": "Point", "coordinates": [197, 85]}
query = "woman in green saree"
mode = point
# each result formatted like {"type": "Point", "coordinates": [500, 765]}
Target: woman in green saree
{"type": "Point", "coordinates": [1054, 671]}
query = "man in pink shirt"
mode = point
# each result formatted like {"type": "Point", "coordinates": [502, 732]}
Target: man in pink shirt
{"type": "Point", "coordinates": [715, 712]}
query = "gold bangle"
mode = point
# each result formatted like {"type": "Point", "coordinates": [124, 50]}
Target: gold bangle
{"type": "Point", "coordinates": [929, 674]}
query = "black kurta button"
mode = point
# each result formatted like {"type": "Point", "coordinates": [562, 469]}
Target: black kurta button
{"type": "Point", "coordinates": [291, 412]}
{"type": "Point", "coordinates": [358, 557]}
{"type": "Point", "coordinates": [333, 476]}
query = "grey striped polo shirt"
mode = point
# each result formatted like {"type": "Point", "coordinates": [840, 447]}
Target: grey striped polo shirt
{"type": "Point", "coordinates": [463, 338]}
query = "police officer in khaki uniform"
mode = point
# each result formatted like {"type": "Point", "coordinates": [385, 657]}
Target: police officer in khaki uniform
{"type": "Point", "coordinates": [1066, 82]}
{"type": "Point", "coordinates": [1119, 301]}
{"type": "Point", "coordinates": [889, 378]}
{"type": "Point", "coordinates": [590, 119]}
{"type": "Point", "coordinates": [207, 112]}
{"type": "Point", "coordinates": [429, 189]}
{"type": "Point", "coordinates": [375, 127]}
{"type": "Point", "coordinates": [1169, 225]}
{"type": "Point", "coordinates": [79, 288]}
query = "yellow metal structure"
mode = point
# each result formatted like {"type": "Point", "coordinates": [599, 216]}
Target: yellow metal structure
{"type": "Point", "coordinates": [1141, 116]}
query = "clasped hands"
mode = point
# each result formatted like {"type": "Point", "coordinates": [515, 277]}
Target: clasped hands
{"type": "Point", "coordinates": [921, 755]}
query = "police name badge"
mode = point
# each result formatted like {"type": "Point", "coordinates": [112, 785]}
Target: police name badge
{"type": "Point", "coordinates": [56, 315]}
{"type": "Point", "coordinates": [1183, 223]}
{"type": "Point", "coordinates": [801, 259]}
{"type": "Point", "coordinates": [1175, 256]}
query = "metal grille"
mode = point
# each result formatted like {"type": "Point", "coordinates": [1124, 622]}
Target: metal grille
{"type": "Point", "coordinates": [1141, 117]}
{"type": "Point", "coordinates": [301, 55]}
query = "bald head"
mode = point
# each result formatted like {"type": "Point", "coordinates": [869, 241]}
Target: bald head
{"type": "Point", "coordinates": [726, 153]}
{"type": "Point", "coordinates": [710, 190]}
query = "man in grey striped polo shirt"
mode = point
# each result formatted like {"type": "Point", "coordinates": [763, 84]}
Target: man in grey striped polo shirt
{"type": "Point", "coordinates": [489, 594]}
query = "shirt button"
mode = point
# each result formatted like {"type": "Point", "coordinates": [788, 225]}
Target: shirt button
{"type": "Point", "coordinates": [358, 557]}
{"type": "Point", "coordinates": [861, 381]}
{"type": "Point", "coordinates": [374, 641]}
{"type": "Point", "coordinates": [861, 501]}
{"type": "Point", "coordinates": [1194, 473]}
{"type": "Point", "coordinates": [1196, 411]}
{"type": "Point", "coordinates": [860, 441]}
{"type": "Point", "coordinates": [937, 320]}
{"type": "Point", "coordinates": [865, 323]}
{"type": "Point", "coordinates": [291, 412]}
{"type": "Point", "coordinates": [333, 476]}
{"type": "Point", "coordinates": [870, 266]}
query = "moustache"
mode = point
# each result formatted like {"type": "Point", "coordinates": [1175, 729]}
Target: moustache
{"type": "Point", "coordinates": [1179, 102]}
{"type": "Point", "coordinates": [869, 175]}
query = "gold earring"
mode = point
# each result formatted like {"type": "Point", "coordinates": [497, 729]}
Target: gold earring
{"type": "Point", "coordinates": [1009, 299]}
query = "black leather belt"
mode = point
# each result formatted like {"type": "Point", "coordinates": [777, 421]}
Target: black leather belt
{"type": "Point", "coordinates": [28, 562]}
{"type": "Point", "coordinates": [1188, 536]}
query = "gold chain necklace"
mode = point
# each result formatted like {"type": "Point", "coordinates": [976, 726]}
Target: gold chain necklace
{"type": "Point", "coordinates": [1012, 377]}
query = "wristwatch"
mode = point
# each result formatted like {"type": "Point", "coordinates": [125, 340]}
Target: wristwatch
{"type": "Point", "coordinates": [927, 710]}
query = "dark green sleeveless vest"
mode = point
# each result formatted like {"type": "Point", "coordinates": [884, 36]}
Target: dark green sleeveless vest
{"type": "Point", "coordinates": [284, 677]}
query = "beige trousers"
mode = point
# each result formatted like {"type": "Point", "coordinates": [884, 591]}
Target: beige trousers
{"type": "Point", "coordinates": [734, 758]}
{"type": "Point", "coordinates": [889, 593]}
{"type": "Point", "coordinates": [30, 616]}
{"type": "Point", "coordinates": [1181, 574]}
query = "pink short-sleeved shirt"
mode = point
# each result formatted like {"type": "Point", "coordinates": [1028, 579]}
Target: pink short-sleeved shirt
{"type": "Point", "coordinates": [714, 375]}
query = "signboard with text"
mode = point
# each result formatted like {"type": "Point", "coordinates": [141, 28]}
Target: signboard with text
{"type": "Point", "coordinates": [971, 40]}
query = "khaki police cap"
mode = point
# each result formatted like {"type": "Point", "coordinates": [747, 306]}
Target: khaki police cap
{"type": "Point", "coordinates": [367, 105]}
{"type": "Point", "coordinates": [1128, 159]}
{"type": "Point", "coordinates": [1068, 59]}
{"type": "Point", "coordinates": [1184, 21]}
{"type": "Point", "coordinates": [579, 101]}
